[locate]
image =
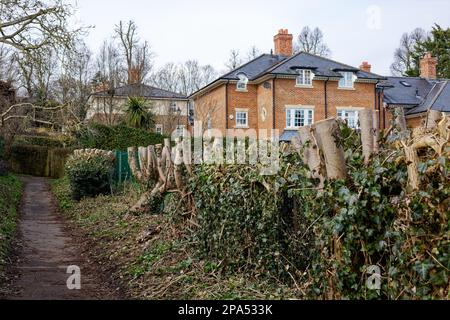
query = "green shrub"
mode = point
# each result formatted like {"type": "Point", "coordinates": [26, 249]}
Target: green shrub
{"type": "Point", "coordinates": [98, 136]}
{"type": "Point", "coordinates": [10, 195]}
{"type": "Point", "coordinates": [37, 160]}
{"type": "Point", "coordinates": [89, 175]}
{"type": "Point", "coordinates": [44, 141]}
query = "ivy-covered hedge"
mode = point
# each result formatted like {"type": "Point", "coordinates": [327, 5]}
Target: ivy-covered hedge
{"type": "Point", "coordinates": [89, 175]}
{"type": "Point", "coordinates": [326, 241]}
{"type": "Point", "coordinates": [99, 136]}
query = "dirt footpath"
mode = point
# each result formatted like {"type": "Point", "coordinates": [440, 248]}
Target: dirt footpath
{"type": "Point", "coordinates": [46, 249]}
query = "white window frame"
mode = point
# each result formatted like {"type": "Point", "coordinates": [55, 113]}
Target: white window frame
{"type": "Point", "coordinates": [347, 81]}
{"type": "Point", "coordinates": [159, 127]}
{"type": "Point", "coordinates": [305, 78]}
{"type": "Point", "coordinates": [347, 115]}
{"type": "Point", "coordinates": [299, 116]}
{"type": "Point", "coordinates": [173, 107]}
{"type": "Point", "coordinates": [241, 85]}
{"type": "Point", "coordinates": [238, 113]}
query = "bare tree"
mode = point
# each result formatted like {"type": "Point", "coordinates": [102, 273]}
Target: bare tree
{"type": "Point", "coordinates": [184, 78]}
{"type": "Point", "coordinates": [7, 64]}
{"type": "Point", "coordinates": [404, 61]}
{"type": "Point", "coordinates": [312, 41]}
{"type": "Point", "coordinates": [37, 70]}
{"type": "Point", "coordinates": [167, 77]}
{"type": "Point", "coordinates": [109, 76]}
{"type": "Point", "coordinates": [138, 56]}
{"type": "Point", "coordinates": [73, 85]}
{"type": "Point", "coordinates": [32, 24]}
{"type": "Point", "coordinates": [253, 53]}
{"type": "Point", "coordinates": [234, 60]}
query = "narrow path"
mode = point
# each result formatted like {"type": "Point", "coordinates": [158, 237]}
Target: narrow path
{"type": "Point", "coordinates": [46, 250]}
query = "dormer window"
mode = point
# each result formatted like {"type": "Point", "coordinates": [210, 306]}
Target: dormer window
{"type": "Point", "coordinates": [242, 83]}
{"type": "Point", "coordinates": [304, 78]}
{"type": "Point", "coordinates": [347, 80]}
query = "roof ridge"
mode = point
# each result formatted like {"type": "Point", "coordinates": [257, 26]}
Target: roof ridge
{"type": "Point", "coordinates": [280, 63]}
{"type": "Point", "coordinates": [245, 64]}
{"type": "Point", "coordinates": [344, 64]}
{"type": "Point", "coordinates": [445, 83]}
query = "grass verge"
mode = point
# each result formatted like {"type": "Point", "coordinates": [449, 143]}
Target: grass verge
{"type": "Point", "coordinates": [10, 195]}
{"type": "Point", "coordinates": [153, 256]}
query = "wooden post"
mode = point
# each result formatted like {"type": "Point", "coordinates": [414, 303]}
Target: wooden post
{"type": "Point", "coordinates": [328, 138]}
{"type": "Point", "coordinates": [366, 123]}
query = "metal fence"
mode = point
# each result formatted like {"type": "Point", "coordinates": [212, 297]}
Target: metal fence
{"type": "Point", "coordinates": [122, 171]}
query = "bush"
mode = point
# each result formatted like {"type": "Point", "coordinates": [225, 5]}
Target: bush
{"type": "Point", "coordinates": [44, 141]}
{"type": "Point", "coordinates": [3, 168]}
{"type": "Point", "coordinates": [99, 136]}
{"type": "Point", "coordinates": [89, 175]}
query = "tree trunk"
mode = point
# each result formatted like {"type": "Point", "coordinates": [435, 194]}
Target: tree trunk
{"type": "Point", "coordinates": [400, 119]}
{"type": "Point", "coordinates": [328, 138]}
{"type": "Point", "coordinates": [308, 149]}
{"type": "Point", "coordinates": [367, 137]}
{"type": "Point", "coordinates": [413, 174]}
{"type": "Point", "coordinates": [376, 131]}
{"type": "Point", "coordinates": [433, 119]}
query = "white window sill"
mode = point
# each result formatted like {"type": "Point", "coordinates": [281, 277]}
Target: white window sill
{"type": "Point", "coordinates": [241, 90]}
{"type": "Point", "coordinates": [347, 88]}
{"type": "Point", "coordinates": [304, 86]}
{"type": "Point", "coordinates": [242, 127]}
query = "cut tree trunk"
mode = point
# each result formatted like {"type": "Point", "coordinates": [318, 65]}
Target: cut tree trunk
{"type": "Point", "coordinates": [400, 119]}
{"type": "Point", "coordinates": [306, 146]}
{"type": "Point", "coordinates": [433, 119]}
{"type": "Point", "coordinates": [376, 131]}
{"type": "Point", "coordinates": [329, 140]}
{"type": "Point", "coordinates": [367, 137]}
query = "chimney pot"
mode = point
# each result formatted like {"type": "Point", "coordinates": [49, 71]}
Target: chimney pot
{"type": "Point", "coordinates": [365, 66]}
{"type": "Point", "coordinates": [428, 66]}
{"type": "Point", "coordinates": [283, 43]}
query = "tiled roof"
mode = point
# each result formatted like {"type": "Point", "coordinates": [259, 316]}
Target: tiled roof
{"type": "Point", "coordinates": [281, 65]}
{"type": "Point", "coordinates": [142, 90]}
{"type": "Point", "coordinates": [255, 67]}
{"type": "Point", "coordinates": [321, 67]}
{"type": "Point", "coordinates": [419, 94]}
{"type": "Point", "coordinates": [401, 94]}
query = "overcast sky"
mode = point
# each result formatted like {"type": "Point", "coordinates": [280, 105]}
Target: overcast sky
{"type": "Point", "coordinates": [207, 30]}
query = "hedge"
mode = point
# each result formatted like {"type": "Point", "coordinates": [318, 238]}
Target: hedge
{"type": "Point", "coordinates": [38, 160]}
{"type": "Point", "coordinates": [99, 136]}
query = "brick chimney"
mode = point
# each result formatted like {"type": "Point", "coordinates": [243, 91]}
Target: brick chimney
{"type": "Point", "coordinates": [133, 75]}
{"type": "Point", "coordinates": [365, 66]}
{"type": "Point", "coordinates": [428, 66]}
{"type": "Point", "coordinates": [283, 43]}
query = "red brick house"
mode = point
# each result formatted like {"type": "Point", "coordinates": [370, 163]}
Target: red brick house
{"type": "Point", "coordinates": [285, 91]}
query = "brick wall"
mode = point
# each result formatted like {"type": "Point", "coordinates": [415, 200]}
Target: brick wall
{"type": "Point", "coordinates": [214, 103]}
{"type": "Point", "coordinates": [265, 105]}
